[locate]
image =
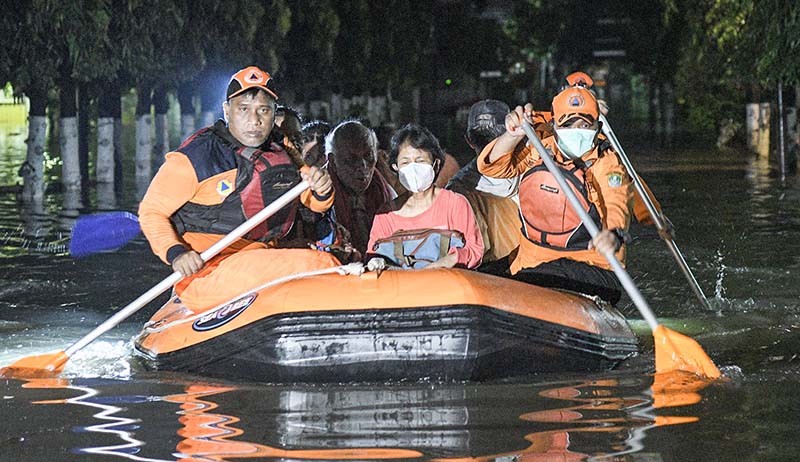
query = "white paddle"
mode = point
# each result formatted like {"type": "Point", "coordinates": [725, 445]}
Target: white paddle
{"type": "Point", "coordinates": [53, 363]}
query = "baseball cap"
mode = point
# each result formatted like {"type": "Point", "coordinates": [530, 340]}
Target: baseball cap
{"type": "Point", "coordinates": [488, 112]}
{"type": "Point", "coordinates": [580, 79]}
{"type": "Point", "coordinates": [247, 78]}
{"type": "Point", "coordinates": [575, 102]}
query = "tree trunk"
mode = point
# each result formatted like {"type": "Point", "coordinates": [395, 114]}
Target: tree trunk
{"type": "Point", "coordinates": [337, 106]}
{"type": "Point", "coordinates": [654, 110]}
{"type": "Point", "coordinates": [68, 140]}
{"type": "Point", "coordinates": [105, 164]}
{"type": "Point", "coordinates": [144, 139]}
{"type": "Point", "coordinates": [668, 111]}
{"type": "Point", "coordinates": [757, 124]}
{"type": "Point", "coordinates": [105, 138]}
{"type": "Point", "coordinates": [793, 131]}
{"type": "Point", "coordinates": [161, 147]}
{"type": "Point", "coordinates": [209, 107]}
{"type": "Point", "coordinates": [83, 135]}
{"type": "Point", "coordinates": [415, 104]}
{"type": "Point", "coordinates": [115, 103]}
{"type": "Point", "coordinates": [32, 170]}
{"type": "Point", "coordinates": [764, 121]}
{"type": "Point", "coordinates": [186, 101]}
{"type": "Point", "coordinates": [752, 125]}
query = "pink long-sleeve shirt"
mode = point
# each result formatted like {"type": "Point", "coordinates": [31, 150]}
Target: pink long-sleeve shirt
{"type": "Point", "coordinates": [449, 211]}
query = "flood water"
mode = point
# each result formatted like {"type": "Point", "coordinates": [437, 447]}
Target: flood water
{"type": "Point", "coordinates": [737, 225]}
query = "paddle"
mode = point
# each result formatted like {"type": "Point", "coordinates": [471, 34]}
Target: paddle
{"type": "Point", "coordinates": [53, 363]}
{"type": "Point", "coordinates": [674, 351]}
{"type": "Point", "coordinates": [102, 232]}
{"type": "Point", "coordinates": [658, 218]}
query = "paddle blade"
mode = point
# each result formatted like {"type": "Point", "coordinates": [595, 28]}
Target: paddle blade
{"type": "Point", "coordinates": [36, 366]}
{"type": "Point", "coordinates": [677, 352]}
{"type": "Point", "coordinates": [102, 232]}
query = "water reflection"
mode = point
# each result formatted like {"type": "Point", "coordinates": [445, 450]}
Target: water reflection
{"type": "Point", "coordinates": [601, 418]}
{"type": "Point", "coordinates": [30, 232]}
{"type": "Point", "coordinates": [110, 423]}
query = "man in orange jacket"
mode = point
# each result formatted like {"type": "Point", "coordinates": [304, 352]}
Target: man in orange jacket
{"type": "Point", "coordinates": [638, 209]}
{"type": "Point", "coordinates": [218, 178]}
{"type": "Point", "coordinates": [556, 250]}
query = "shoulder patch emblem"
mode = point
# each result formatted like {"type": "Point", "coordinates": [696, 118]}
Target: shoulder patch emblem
{"type": "Point", "coordinates": [614, 180]}
{"type": "Point", "coordinates": [224, 188]}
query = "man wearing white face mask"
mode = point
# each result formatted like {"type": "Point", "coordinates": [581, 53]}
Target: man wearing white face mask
{"type": "Point", "coordinates": [556, 250]}
{"type": "Point", "coordinates": [425, 208]}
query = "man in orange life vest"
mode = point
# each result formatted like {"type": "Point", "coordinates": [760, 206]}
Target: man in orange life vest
{"type": "Point", "coordinates": [213, 182]}
{"type": "Point", "coordinates": [556, 250]}
{"type": "Point", "coordinates": [639, 208]}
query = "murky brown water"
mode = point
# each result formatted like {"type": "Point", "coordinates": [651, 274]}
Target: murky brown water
{"type": "Point", "coordinates": [737, 226]}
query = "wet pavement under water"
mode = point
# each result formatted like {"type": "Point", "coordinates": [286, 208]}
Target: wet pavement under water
{"type": "Point", "coordinates": [737, 225]}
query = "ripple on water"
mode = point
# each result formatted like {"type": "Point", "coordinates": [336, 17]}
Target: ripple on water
{"type": "Point", "coordinates": [101, 359]}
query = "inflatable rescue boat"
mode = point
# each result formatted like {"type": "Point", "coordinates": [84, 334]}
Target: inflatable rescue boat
{"type": "Point", "coordinates": [439, 325]}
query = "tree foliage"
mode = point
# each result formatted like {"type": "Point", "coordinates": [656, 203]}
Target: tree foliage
{"type": "Point", "coordinates": [760, 39]}
{"type": "Point", "coordinates": [710, 49]}
{"type": "Point", "coordinates": [309, 47]}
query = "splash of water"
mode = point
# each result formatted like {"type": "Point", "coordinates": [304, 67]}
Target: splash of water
{"type": "Point", "coordinates": [102, 359]}
{"type": "Point", "coordinates": [719, 288]}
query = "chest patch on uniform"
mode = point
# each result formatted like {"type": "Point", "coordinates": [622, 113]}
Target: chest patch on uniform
{"type": "Point", "coordinates": [614, 180]}
{"type": "Point", "coordinates": [224, 188]}
{"type": "Point", "coordinates": [548, 188]}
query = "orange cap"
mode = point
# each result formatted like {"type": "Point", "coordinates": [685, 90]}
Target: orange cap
{"type": "Point", "coordinates": [575, 102]}
{"type": "Point", "coordinates": [580, 79]}
{"type": "Point", "coordinates": [247, 78]}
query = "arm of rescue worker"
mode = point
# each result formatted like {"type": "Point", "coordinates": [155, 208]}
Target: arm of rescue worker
{"type": "Point", "coordinates": [615, 193]}
{"type": "Point", "coordinates": [640, 211]}
{"type": "Point", "coordinates": [320, 197]}
{"type": "Point", "coordinates": [174, 185]}
{"type": "Point", "coordinates": [508, 156]}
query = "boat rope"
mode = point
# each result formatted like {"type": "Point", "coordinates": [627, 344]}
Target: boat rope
{"type": "Point", "coordinates": [353, 269]}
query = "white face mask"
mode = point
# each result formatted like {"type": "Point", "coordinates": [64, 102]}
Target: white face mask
{"type": "Point", "coordinates": [575, 142]}
{"type": "Point", "coordinates": [416, 177]}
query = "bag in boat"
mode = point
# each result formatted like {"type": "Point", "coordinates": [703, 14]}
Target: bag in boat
{"type": "Point", "coordinates": [417, 248]}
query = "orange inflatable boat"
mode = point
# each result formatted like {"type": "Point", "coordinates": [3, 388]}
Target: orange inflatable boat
{"type": "Point", "coordinates": [441, 325]}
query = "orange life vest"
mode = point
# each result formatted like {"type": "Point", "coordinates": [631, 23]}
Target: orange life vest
{"type": "Point", "coordinates": [262, 176]}
{"type": "Point", "coordinates": [548, 218]}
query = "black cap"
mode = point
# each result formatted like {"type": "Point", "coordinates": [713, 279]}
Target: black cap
{"type": "Point", "coordinates": [487, 113]}
{"type": "Point", "coordinates": [247, 78]}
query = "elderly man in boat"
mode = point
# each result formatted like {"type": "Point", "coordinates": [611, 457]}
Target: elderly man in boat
{"type": "Point", "coordinates": [213, 182]}
{"type": "Point", "coordinates": [555, 248]}
{"type": "Point", "coordinates": [352, 150]}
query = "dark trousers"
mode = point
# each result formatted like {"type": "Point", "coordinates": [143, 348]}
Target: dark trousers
{"type": "Point", "coordinates": [575, 276]}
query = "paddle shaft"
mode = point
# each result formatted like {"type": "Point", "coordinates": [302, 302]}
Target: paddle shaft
{"type": "Point", "coordinates": [657, 217]}
{"type": "Point", "coordinates": [212, 251]}
{"type": "Point", "coordinates": [622, 275]}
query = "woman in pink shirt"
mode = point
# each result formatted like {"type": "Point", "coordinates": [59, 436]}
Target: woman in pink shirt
{"type": "Point", "coordinates": [417, 158]}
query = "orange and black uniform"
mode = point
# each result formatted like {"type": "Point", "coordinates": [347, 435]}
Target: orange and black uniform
{"type": "Point", "coordinates": [205, 189]}
{"type": "Point", "coordinates": [544, 128]}
{"type": "Point", "coordinates": [553, 247]}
